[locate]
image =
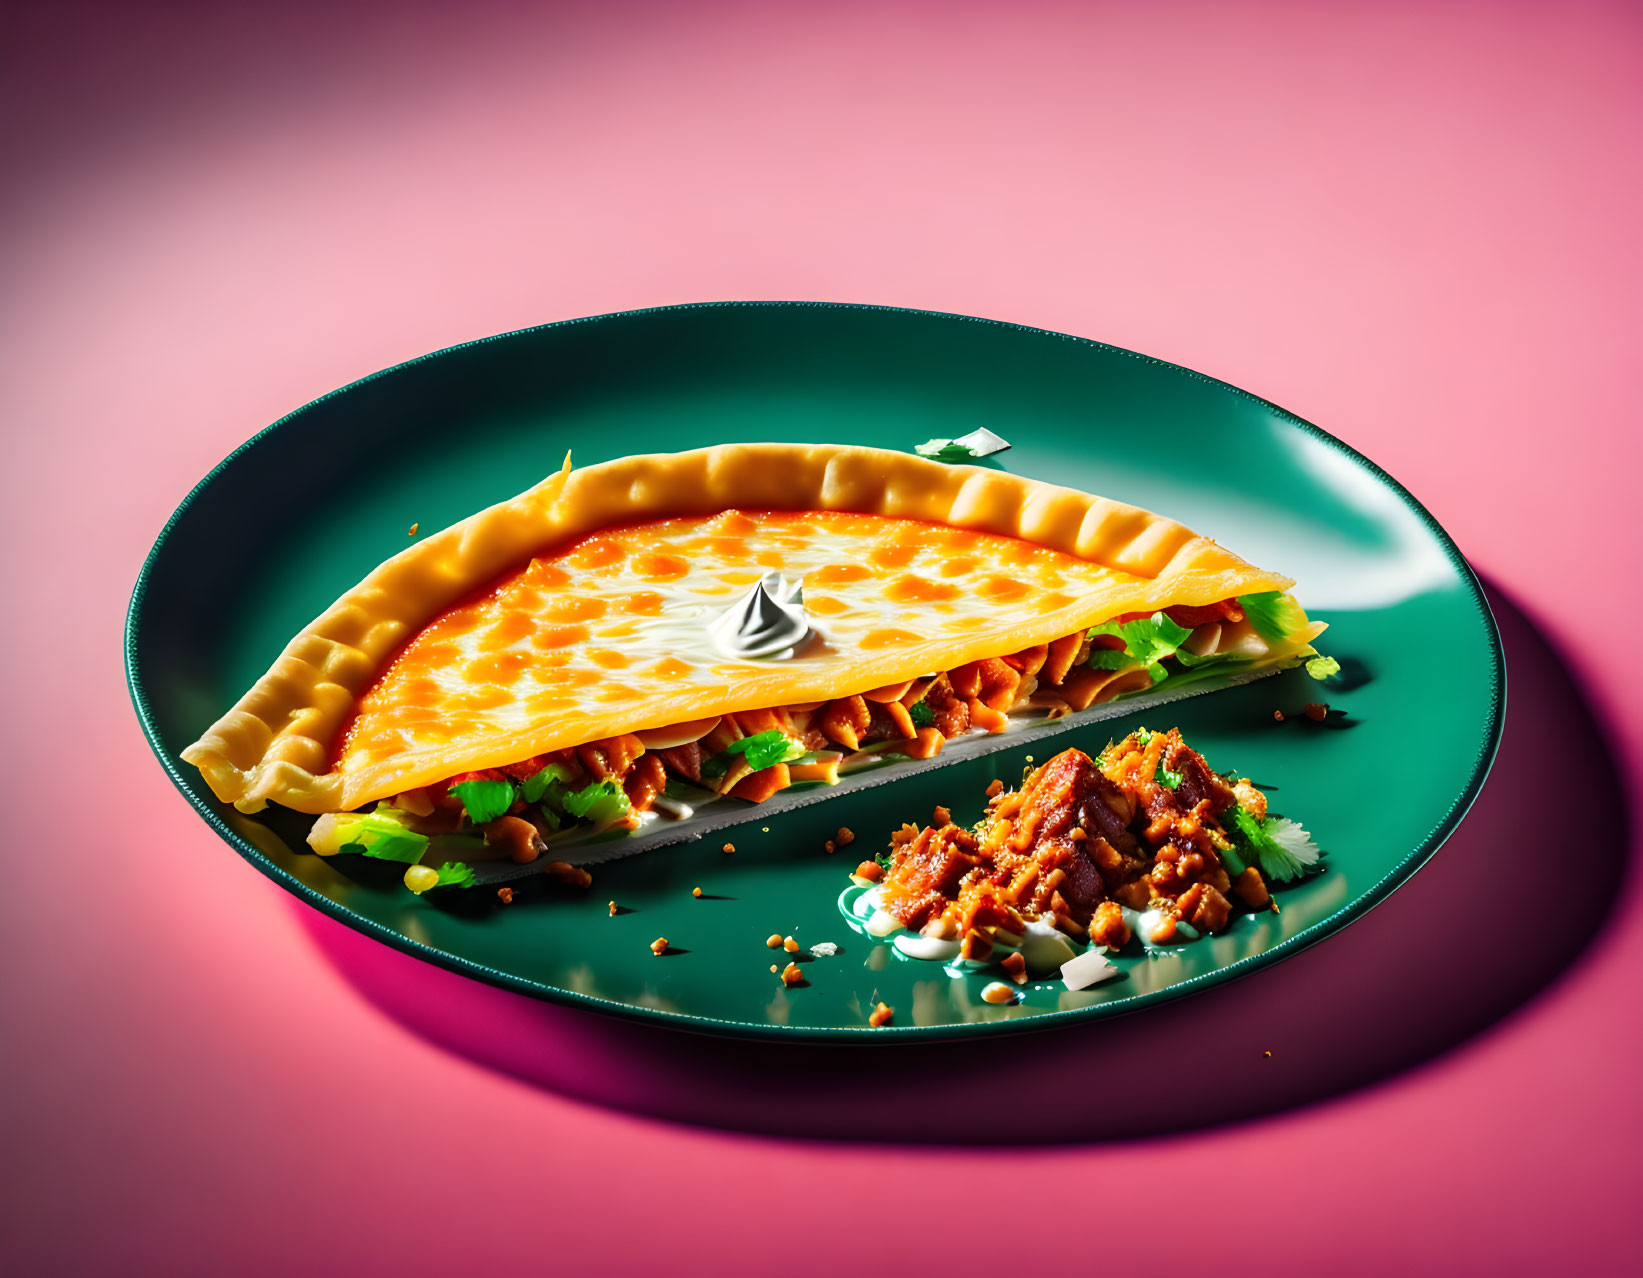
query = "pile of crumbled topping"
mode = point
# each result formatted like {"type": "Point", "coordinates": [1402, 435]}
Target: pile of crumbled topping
{"type": "Point", "coordinates": [1138, 827]}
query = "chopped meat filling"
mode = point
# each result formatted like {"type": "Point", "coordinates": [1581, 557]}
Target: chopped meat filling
{"type": "Point", "coordinates": [1138, 828]}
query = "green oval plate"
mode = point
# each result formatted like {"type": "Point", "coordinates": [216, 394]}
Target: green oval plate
{"type": "Point", "coordinates": [307, 507]}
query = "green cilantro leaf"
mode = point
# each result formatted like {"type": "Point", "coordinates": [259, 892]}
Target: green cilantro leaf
{"type": "Point", "coordinates": [484, 800]}
{"type": "Point", "coordinates": [1144, 737]}
{"type": "Point", "coordinates": [921, 715]}
{"type": "Point", "coordinates": [455, 874]}
{"type": "Point", "coordinates": [715, 766]}
{"type": "Point", "coordinates": [1323, 667]}
{"type": "Point", "coordinates": [1285, 850]}
{"type": "Point", "coordinates": [766, 749]}
{"type": "Point", "coordinates": [1275, 616]}
{"type": "Point", "coordinates": [1169, 780]}
{"type": "Point", "coordinates": [1147, 641]}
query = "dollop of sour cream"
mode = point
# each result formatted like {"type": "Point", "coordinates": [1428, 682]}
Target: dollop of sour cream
{"type": "Point", "coordinates": [766, 624]}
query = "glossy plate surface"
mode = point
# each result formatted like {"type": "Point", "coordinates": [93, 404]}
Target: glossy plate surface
{"type": "Point", "coordinates": [302, 511]}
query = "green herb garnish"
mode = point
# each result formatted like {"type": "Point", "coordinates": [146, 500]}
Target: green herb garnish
{"type": "Point", "coordinates": [484, 800]}
{"type": "Point", "coordinates": [921, 715]}
{"type": "Point", "coordinates": [766, 749]}
{"type": "Point", "coordinates": [1169, 780]}
{"type": "Point", "coordinates": [455, 874]}
{"type": "Point", "coordinates": [1147, 641]}
{"type": "Point", "coordinates": [1285, 850]}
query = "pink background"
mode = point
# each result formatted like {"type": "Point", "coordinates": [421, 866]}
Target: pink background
{"type": "Point", "coordinates": [1416, 225]}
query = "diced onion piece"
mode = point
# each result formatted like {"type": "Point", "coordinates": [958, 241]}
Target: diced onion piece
{"type": "Point", "coordinates": [1089, 968]}
{"type": "Point", "coordinates": [419, 878]}
{"type": "Point", "coordinates": [882, 923]}
{"type": "Point", "coordinates": [326, 838]}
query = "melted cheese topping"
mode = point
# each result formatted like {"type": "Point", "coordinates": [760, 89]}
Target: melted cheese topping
{"type": "Point", "coordinates": [611, 632]}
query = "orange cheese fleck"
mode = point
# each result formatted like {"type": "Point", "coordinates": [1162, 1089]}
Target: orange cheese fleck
{"type": "Point", "coordinates": [915, 589]}
{"type": "Point", "coordinates": [889, 637]}
{"type": "Point", "coordinates": [656, 566]}
{"type": "Point", "coordinates": [559, 636]}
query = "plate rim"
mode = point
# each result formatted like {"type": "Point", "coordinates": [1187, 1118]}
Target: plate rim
{"type": "Point", "coordinates": [1481, 764]}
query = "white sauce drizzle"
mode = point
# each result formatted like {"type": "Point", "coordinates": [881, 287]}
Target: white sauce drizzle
{"type": "Point", "coordinates": [926, 947]}
{"type": "Point", "coordinates": [672, 809]}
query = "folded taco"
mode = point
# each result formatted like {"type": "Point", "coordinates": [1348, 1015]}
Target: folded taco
{"type": "Point", "coordinates": [649, 636]}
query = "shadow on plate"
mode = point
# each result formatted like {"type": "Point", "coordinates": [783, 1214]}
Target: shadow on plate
{"type": "Point", "coordinates": [1455, 950]}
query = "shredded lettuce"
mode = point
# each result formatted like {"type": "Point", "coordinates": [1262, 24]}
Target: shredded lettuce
{"type": "Point", "coordinates": [485, 800]}
{"type": "Point", "coordinates": [1323, 667]}
{"type": "Point", "coordinates": [384, 833]}
{"type": "Point", "coordinates": [600, 803]}
{"type": "Point", "coordinates": [1286, 851]}
{"type": "Point", "coordinates": [1275, 616]}
{"type": "Point", "coordinates": [545, 784]}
